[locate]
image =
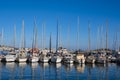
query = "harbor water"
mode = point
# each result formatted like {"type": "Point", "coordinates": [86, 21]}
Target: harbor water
{"type": "Point", "coordinates": [59, 71]}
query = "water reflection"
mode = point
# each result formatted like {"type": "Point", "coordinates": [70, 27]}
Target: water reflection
{"type": "Point", "coordinates": [44, 65]}
{"type": "Point", "coordinates": [10, 69]}
{"type": "Point", "coordinates": [90, 65]}
{"type": "Point", "coordinates": [22, 65]}
{"type": "Point", "coordinates": [34, 71]}
{"type": "Point", "coordinates": [44, 72]}
{"type": "Point", "coordinates": [33, 65]}
{"type": "Point", "coordinates": [68, 67]}
{"type": "Point", "coordinates": [80, 68]}
{"type": "Point", "coordinates": [10, 65]}
{"type": "Point", "coordinates": [53, 71]}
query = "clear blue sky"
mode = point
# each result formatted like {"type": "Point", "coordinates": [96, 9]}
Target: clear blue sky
{"type": "Point", "coordinates": [96, 11]}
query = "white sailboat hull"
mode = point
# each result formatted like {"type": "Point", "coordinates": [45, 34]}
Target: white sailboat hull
{"type": "Point", "coordinates": [44, 60]}
{"type": "Point", "coordinates": [10, 58]}
{"type": "Point", "coordinates": [34, 59]}
{"type": "Point", "coordinates": [69, 62]}
{"type": "Point", "coordinates": [56, 59]}
{"type": "Point", "coordinates": [22, 59]}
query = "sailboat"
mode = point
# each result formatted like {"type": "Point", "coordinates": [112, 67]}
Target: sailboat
{"type": "Point", "coordinates": [101, 55]}
{"type": "Point", "coordinates": [67, 57]}
{"type": "Point", "coordinates": [56, 58]}
{"type": "Point", "coordinates": [79, 57]}
{"type": "Point", "coordinates": [43, 57]}
{"type": "Point", "coordinates": [34, 52]}
{"type": "Point", "coordinates": [90, 58]}
{"type": "Point", "coordinates": [21, 56]}
{"type": "Point", "coordinates": [10, 57]}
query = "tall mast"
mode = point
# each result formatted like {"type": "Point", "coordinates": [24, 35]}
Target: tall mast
{"type": "Point", "coordinates": [14, 37]}
{"type": "Point", "coordinates": [117, 40]}
{"type": "Point", "coordinates": [68, 37]}
{"type": "Point", "coordinates": [106, 34]}
{"type": "Point", "coordinates": [97, 38]}
{"type": "Point", "coordinates": [43, 36]}
{"type": "Point", "coordinates": [60, 36]}
{"type": "Point", "coordinates": [117, 43]}
{"type": "Point", "coordinates": [57, 37]}
{"type": "Point", "coordinates": [50, 43]}
{"type": "Point", "coordinates": [89, 44]}
{"type": "Point", "coordinates": [101, 37]}
{"type": "Point", "coordinates": [77, 45]}
{"type": "Point", "coordinates": [2, 40]}
{"type": "Point", "coordinates": [23, 36]}
{"type": "Point", "coordinates": [33, 41]}
{"type": "Point", "coordinates": [35, 36]}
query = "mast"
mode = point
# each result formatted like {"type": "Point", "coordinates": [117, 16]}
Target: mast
{"type": "Point", "coordinates": [60, 36]}
{"type": "Point", "coordinates": [116, 40]}
{"type": "Point", "coordinates": [101, 37]}
{"type": "Point", "coordinates": [77, 45]}
{"type": "Point", "coordinates": [117, 46]}
{"type": "Point", "coordinates": [33, 39]}
{"type": "Point", "coordinates": [35, 36]}
{"type": "Point", "coordinates": [106, 34]}
{"type": "Point", "coordinates": [50, 43]}
{"type": "Point", "coordinates": [44, 39]}
{"type": "Point", "coordinates": [2, 40]}
{"type": "Point", "coordinates": [68, 36]}
{"type": "Point", "coordinates": [23, 36]}
{"type": "Point", "coordinates": [57, 38]}
{"type": "Point", "coordinates": [43, 36]}
{"type": "Point", "coordinates": [89, 44]}
{"type": "Point", "coordinates": [97, 38]}
{"type": "Point", "coordinates": [14, 37]}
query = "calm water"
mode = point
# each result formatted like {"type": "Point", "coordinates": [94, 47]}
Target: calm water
{"type": "Point", "coordinates": [45, 71]}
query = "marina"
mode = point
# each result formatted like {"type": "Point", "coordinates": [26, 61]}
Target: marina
{"type": "Point", "coordinates": [61, 56]}
{"type": "Point", "coordinates": [59, 40]}
{"type": "Point", "coordinates": [58, 63]}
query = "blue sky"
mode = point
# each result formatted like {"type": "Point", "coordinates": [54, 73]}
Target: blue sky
{"type": "Point", "coordinates": [47, 11]}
